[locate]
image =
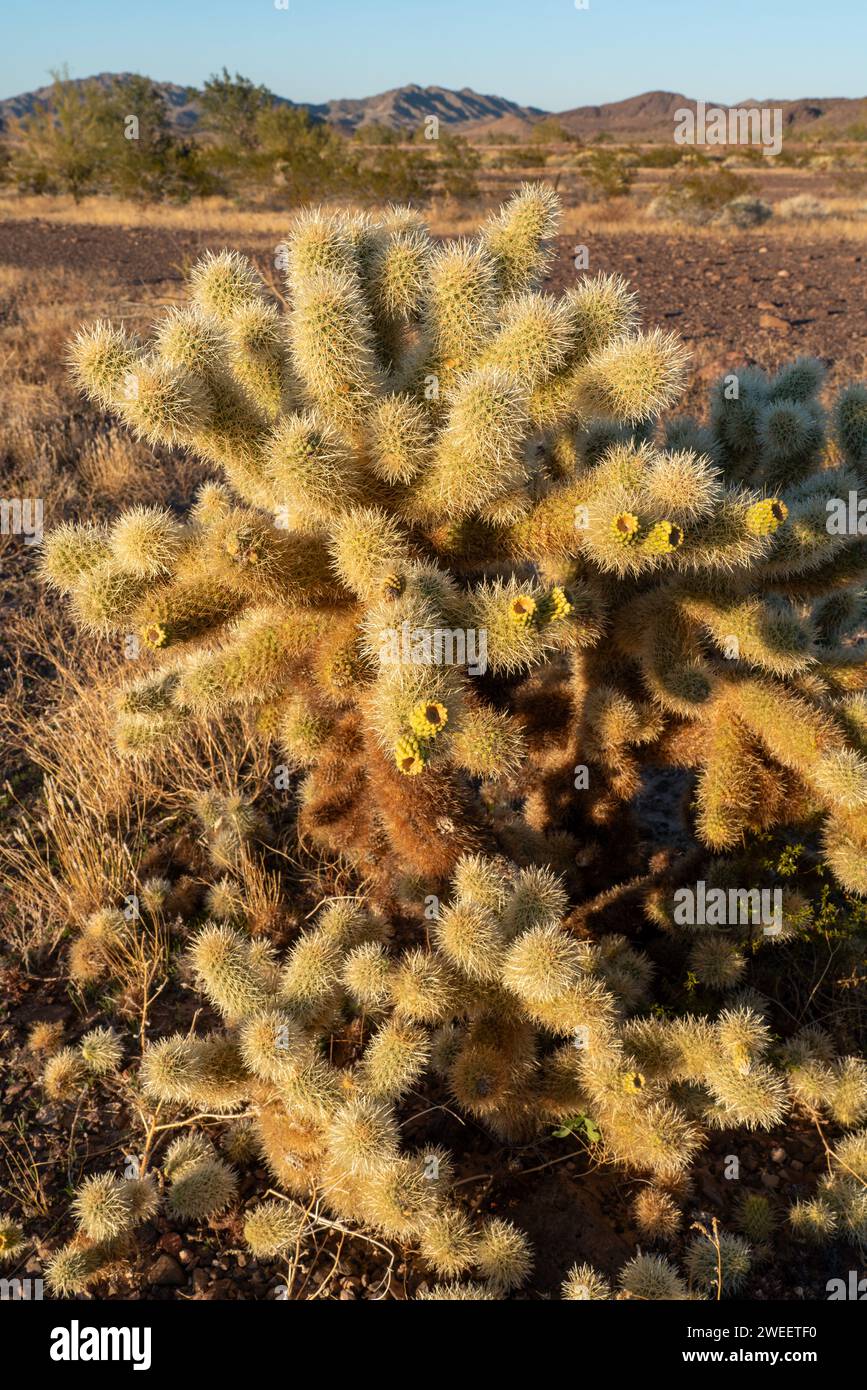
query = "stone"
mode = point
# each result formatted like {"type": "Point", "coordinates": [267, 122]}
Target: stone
{"type": "Point", "coordinates": [165, 1272]}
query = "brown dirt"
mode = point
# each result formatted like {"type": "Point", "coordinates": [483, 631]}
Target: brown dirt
{"type": "Point", "coordinates": [747, 298]}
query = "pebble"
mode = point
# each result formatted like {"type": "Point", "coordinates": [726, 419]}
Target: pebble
{"type": "Point", "coordinates": [165, 1272]}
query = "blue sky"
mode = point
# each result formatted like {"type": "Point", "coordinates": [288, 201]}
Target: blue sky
{"type": "Point", "coordinates": [539, 52]}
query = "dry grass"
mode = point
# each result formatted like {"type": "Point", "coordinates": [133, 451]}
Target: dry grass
{"type": "Point", "coordinates": [846, 219]}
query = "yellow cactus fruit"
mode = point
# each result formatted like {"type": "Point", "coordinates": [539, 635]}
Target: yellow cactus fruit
{"type": "Point", "coordinates": [522, 610]}
{"type": "Point", "coordinates": [428, 717]}
{"type": "Point", "coordinates": [663, 538]}
{"type": "Point", "coordinates": [409, 756]}
{"type": "Point", "coordinates": [625, 527]}
{"type": "Point", "coordinates": [393, 586]}
{"type": "Point", "coordinates": [763, 518]}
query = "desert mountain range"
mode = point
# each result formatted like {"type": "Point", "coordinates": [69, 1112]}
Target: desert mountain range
{"type": "Point", "coordinates": [649, 116]}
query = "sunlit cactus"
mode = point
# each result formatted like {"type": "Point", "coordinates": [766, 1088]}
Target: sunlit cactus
{"type": "Point", "coordinates": [656, 1214]}
{"type": "Point", "coordinates": [653, 1278]}
{"type": "Point", "coordinates": [584, 1283]}
{"type": "Point", "coordinates": [65, 1074]}
{"type": "Point", "coordinates": [101, 1050]}
{"type": "Point", "coordinates": [411, 390]}
{"type": "Point", "coordinates": [200, 1184]}
{"type": "Point", "coordinates": [718, 1267]}
{"type": "Point", "coordinates": [468, 590]}
{"type": "Point", "coordinates": [12, 1239]}
{"type": "Point", "coordinates": [270, 1228]}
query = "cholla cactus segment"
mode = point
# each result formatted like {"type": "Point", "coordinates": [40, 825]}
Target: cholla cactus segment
{"type": "Point", "coordinates": [489, 744]}
{"type": "Point", "coordinates": [636, 378]}
{"type": "Point", "coordinates": [221, 957]}
{"type": "Point", "coordinates": [449, 1243]}
{"type": "Point", "coordinates": [653, 1278]}
{"type": "Point", "coordinates": [502, 1255]}
{"type": "Point", "coordinates": [312, 471]}
{"type": "Point", "coordinates": [102, 359]}
{"type": "Point", "coordinates": [64, 1075]}
{"type": "Point", "coordinates": [71, 551]}
{"type": "Point", "coordinates": [398, 439]}
{"type": "Point", "coordinates": [362, 1136]}
{"type": "Point", "coordinates": [200, 1184]}
{"type": "Point", "coordinates": [455, 1292]}
{"type": "Point", "coordinates": [331, 338]}
{"type": "Point", "coordinates": [367, 546]}
{"type": "Point", "coordinates": [12, 1239]}
{"type": "Point", "coordinates": [813, 1220]}
{"type": "Point", "coordinates": [756, 1218]}
{"type": "Point", "coordinates": [850, 421]}
{"type": "Point", "coordinates": [104, 1207]}
{"type": "Point", "coordinates": [102, 1051]}
{"type": "Point", "coordinates": [719, 1266]}
{"type": "Point", "coordinates": [366, 975]}
{"type": "Point", "coordinates": [78, 1265]}
{"type": "Point", "coordinates": [223, 283]}
{"type": "Point", "coordinates": [271, 1228]}
{"type": "Point", "coordinates": [656, 1214]}
{"type": "Point", "coordinates": [44, 1036]}
{"type": "Point", "coordinates": [583, 1282]}
{"type": "Point", "coordinates": [517, 237]}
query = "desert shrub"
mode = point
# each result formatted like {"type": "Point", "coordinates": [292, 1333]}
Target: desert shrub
{"type": "Point", "coordinates": [522, 157]}
{"type": "Point", "coordinates": [744, 213]}
{"type": "Point", "coordinates": [550, 131]}
{"type": "Point", "coordinates": [607, 174]}
{"type": "Point", "coordinates": [660, 156]}
{"type": "Point", "coordinates": [83, 140]}
{"type": "Point", "coordinates": [698, 195]}
{"type": "Point", "coordinates": [801, 206]}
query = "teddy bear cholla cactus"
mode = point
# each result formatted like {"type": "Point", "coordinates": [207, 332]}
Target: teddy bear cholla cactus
{"type": "Point", "coordinates": [409, 412]}
{"type": "Point", "coordinates": [838, 1211]}
{"type": "Point", "coordinates": [108, 1209]}
{"type": "Point", "coordinates": [526, 1024]}
{"type": "Point", "coordinates": [425, 443]}
{"type": "Point", "coordinates": [735, 654]}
